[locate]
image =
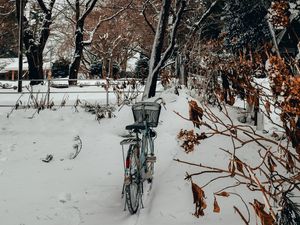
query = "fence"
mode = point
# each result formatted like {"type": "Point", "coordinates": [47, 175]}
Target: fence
{"type": "Point", "coordinates": [107, 90]}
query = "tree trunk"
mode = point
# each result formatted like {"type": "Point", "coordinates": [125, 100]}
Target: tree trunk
{"type": "Point", "coordinates": [34, 48]}
{"type": "Point", "coordinates": [105, 64]}
{"type": "Point", "coordinates": [274, 39]}
{"type": "Point", "coordinates": [35, 65]}
{"type": "Point", "coordinates": [157, 48]}
{"type": "Point", "coordinates": [158, 59]}
{"type": "Point", "coordinates": [75, 65]}
{"type": "Point", "coordinates": [80, 20]}
{"type": "Point", "coordinates": [110, 69]}
{"type": "Point", "coordinates": [180, 69]}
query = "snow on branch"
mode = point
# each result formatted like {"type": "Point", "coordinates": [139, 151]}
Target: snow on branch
{"type": "Point", "coordinates": [89, 7]}
{"type": "Point", "coordinates": [44, 7]}
{"type": "Point", "coordinates": [72, 7]}
{"type": "Point", "coordinates": [51, 5]}
{"type": "Point", "coordinates": [173, 38]}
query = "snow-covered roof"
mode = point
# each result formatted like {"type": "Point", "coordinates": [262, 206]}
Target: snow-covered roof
{"type": "Point", "coordinates": [13, 66]}
{"type": "Point", "coordinates": [6, 61]}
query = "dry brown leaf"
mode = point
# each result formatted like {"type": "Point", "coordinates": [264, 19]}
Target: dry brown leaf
{"type": "Point", "coordinates": [195, 113]}
{"type": "Point", "coordinates": [265, 218]}
{"type": "Point", "coordinates": [250, 100]}
{"type": "Point", "coordinates": [216, 206]}
{"type": "Point", "coordinates": [190, 140]}
{"type": "Point", "coordinates": [268, 107]}
{"type": "Point", "coordinates": [223, 194]}
{"type": "Point", "coordinates": [199, 200]}
{"type": "Point", "coordinates": [290, 163]}
{"type": "Point", "coordinates": [231, 168]}
{"type": "Point", "coordinates": [271, 164]}
{"type": "Point", "coordinates": [239, 165]}
{"type": "Point", "coordinates": [231, 100]}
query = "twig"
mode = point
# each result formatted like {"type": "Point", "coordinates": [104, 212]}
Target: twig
{"type": "Point", "coordinates": [77, 146]}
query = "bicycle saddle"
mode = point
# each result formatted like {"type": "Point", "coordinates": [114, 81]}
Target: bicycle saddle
{"type": "Point", "coordinates": [135, 126]}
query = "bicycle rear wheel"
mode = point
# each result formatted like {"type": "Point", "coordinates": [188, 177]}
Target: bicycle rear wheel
{"type": "Point", "coordinates": [132, 187]}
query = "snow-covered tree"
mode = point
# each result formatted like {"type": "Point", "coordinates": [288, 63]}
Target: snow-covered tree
{"type": "Point", "coordinates": [142, 67]}
{"type": "Point", "coordinates": [245, 24]}
{"type": "Point", "coordinates": [201, 21]}
{"type": "Point", "coordinates": [158, 56]}
{"type": "Point", "coordinates": [84, 37]}
{"type": "Point", "coordinates": [36, 33]}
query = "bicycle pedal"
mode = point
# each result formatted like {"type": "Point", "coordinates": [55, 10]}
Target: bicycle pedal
{"type": "Point", "coordinates": [151, 159]}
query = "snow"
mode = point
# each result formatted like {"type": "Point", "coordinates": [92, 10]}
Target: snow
{"type": "Point", "coordinates": [14, 65]}
{"type": "Point", "coordinates": [87, 189]}
{"type": "Point", "coordinates": [6, 61]}
{"type": "Point", "coordinates": [131, 63]}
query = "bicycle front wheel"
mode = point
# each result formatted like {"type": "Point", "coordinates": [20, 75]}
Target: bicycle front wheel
{"type": "Point", "coordinates": [132, 188]}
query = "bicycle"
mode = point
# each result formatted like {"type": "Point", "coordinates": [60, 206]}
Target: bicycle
{"type": "Point", "coordinates": [140, 158]}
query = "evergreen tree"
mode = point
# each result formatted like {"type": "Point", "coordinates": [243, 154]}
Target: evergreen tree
{"type": "Point", "coordinates": [60, 68]}
{"type": "Point", "coordinates": [245, 24]}
{"type": "Point", "coordinates": [142, 67]}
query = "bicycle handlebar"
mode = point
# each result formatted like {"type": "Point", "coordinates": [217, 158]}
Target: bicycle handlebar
{"type": "Point", "coordinates": [162, 102]}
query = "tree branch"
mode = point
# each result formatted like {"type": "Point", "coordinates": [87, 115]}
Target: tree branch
{"type": "Point", "coordinates": [92, 33]}
{"type": "Point", "coordinates": [146, 19]}
{"type": "Point", "coordinates": [204, 16]}
{"type": "Point", "coordinates": [43, 6]}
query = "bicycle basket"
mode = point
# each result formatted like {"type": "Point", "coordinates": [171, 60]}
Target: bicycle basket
{"type": "Point", "coordinates": [146, 111]}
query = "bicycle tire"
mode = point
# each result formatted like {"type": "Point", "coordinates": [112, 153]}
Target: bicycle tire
{"type": "Point", "coordinates": [132, 190]}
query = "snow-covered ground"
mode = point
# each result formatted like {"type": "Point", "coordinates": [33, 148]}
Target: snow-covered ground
{"type": "Point", "coordinates": [87, 189]}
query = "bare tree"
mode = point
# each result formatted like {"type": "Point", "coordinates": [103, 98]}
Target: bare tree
{"type": "Point", "coordinates": [80, 42]}
{"type": "Point", "coordinates": [122, 37]}
{"type": "Point", "coordinates": [79, 20]}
